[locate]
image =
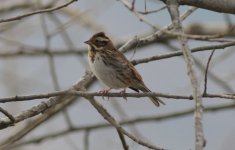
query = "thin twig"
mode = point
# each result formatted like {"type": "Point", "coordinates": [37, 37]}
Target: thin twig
{"type": "Point", "coordinates": [86, 139]}
{"type": "Point", "coordinates": [173, 33]}
{"type": "Point", "coordinates": [49, 113]}
{"type": "Point", "coordinates": [159, 33]}
{"type": "Point", "coordinates": [36, 12]}
{"type": "Point", "coordinates": [51, 62]}
{"type": "Point", "coordinates": [146, 119]}
{"type": "Point", "coordinates": [114, 123]}
{"type": "Point", "coordinates": [123, 141]}
{"type": "Point", "coordinates": [133, 4]}
{"type": "Point", "coordinates": [43, 106]}
{"type": "Point", "coordinates": [117, 94]}
{"type": "Point", "coordinates": [6, 113]}
{"type": "Point", "coordinates": [124, 116]}
{"type": "Point", "coordinates": [52, 65]}
{"type": "Point", "coordinates": [130, 44]}
{"type": "Point", "coordinates": [22, 5]}
{"type": "Point", "coordinates": [152, 11]}
{"type": "Point", "coordinates": [180, 53]}
{"type": "Point", "coordinates": [207, 67]}
{"type": "Point", "coordinates": [145, 6]}
{"type": "Point", "coordinates": [214, 77]}
{"type": "Point", "coordinates": [50, 107]}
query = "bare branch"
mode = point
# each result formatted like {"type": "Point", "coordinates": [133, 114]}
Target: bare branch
{"type": "Point", "coordinates": [154, 118]}
{"type": "Point", "coordinates": [180, 53]}
{"type": "Point", "coordinates": [223, 6]}
{"type": "Point", "coordinates": [6, 113]}
{"type": "Point", "coordinates": [172, 33]}
{"type": "Point", "coordinates": [152, 11]}
{"type": "Point", "coordinates": [173, 7]}
{"type": "Point", "coordinates": [114, 123]}
{"type": "Point", "coordinates": [123, 141]}
{"type": "Point", "coordinates": [22, 5]}
{"type": "Point", "coordinates": [86, 139]}
{"type": "Point", "coordinates": [118, 94]}
{"type": "Point", "coordinates": [36, 12]}
{"type": "Point", "coordinates": [207, 67]}
{"type": "Point", "coordinates": [43, 106]}
{"type": "Point", "coordinates": [64, 23]}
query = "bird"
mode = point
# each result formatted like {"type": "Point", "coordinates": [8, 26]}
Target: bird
{"type": "Point", "coordinates": [112, 68]}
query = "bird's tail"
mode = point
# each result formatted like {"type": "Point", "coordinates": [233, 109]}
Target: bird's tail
{"type": "Point", "coordinates": [155, 100]}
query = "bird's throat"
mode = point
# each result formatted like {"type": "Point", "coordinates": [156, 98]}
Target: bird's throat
{"type": "Point", "coordinates": [91, 53]}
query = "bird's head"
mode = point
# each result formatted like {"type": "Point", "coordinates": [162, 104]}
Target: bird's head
{"type": "Point", "coordinates": [98, 40]}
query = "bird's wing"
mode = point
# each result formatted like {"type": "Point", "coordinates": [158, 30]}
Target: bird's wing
{"type": "Point", "coordinates": [126, 68]}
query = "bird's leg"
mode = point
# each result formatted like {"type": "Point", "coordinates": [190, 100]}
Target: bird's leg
{"type": "Point", "coordinates": [123, 92]}
{"type": "Point", "coordinates": [103, 92]}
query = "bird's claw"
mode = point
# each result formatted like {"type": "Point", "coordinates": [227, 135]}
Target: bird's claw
{"type": "Point", "coordinates": [104, 92]}
{"type": "Point", "coordinates": [123, 92]}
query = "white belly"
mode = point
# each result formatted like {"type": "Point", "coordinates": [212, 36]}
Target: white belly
{"type": "Point", "coordinates": [105, 74]}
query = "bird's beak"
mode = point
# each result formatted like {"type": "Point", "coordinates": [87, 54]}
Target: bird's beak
{"type": "Point", "coordinates": [88, 42]}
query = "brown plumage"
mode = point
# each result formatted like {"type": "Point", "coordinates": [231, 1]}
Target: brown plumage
{"type": "Point", "coordinates": [112, 68]}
